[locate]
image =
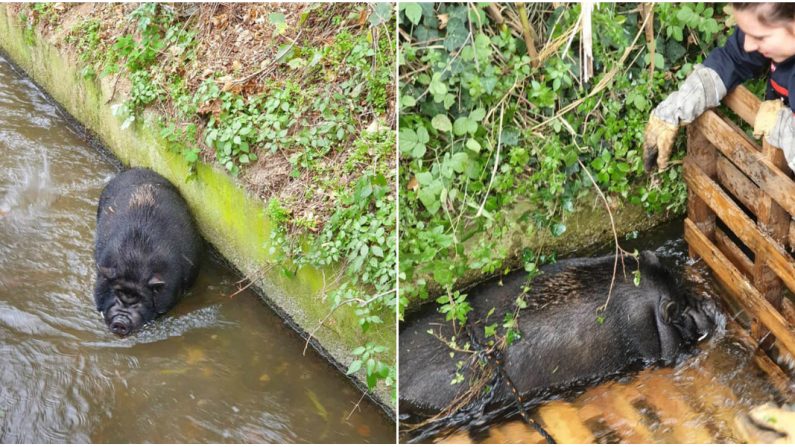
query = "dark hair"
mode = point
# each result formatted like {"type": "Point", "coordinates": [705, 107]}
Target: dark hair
{"type": "Point", "coordinates": [773, 14]}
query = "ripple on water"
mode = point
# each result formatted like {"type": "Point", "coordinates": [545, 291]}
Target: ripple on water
{"type": "Point", "coordinates": [31, 192]}
{"type": "Point", "coordinates": [167, 327]}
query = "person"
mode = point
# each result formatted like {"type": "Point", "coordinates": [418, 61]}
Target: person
{"type": "Point", "coordinates": [763, 41]}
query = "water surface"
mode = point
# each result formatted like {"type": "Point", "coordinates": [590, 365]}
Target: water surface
{"type": "Point", "coordinates": [217, 368]}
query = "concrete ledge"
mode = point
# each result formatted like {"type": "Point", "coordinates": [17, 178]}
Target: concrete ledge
{"type": "Point", "coordinates": [228, 217]}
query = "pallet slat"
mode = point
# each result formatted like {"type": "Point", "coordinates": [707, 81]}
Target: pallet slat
{"type": "Point", "coordinates": [671, 407]}
{"type": "Point", "coordinates": [746, 155]}
{"type": "Point", "coordinates": [733, 252]}
{"type": "Point", "coordinates": [738, 185]}
{"type": "Point", "coordinates": [562, 422]}
{"type": "Point", "coordinates": [741, 225]}
{"type": "Point", "coordinates": [621, 416]}
{"type": "Point", "coordinates": [740, 287]}
{"type": "Point", "coordinates": [744, 103]}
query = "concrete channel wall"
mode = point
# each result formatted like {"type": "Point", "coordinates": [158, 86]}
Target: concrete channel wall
{"type": "Point", "coordinates": [233, 221]}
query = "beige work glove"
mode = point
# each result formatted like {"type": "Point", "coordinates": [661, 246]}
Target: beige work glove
{"type": "Point", "coordinates": [776, 123]}
{"type": "Point", "coordinates": [658, 140]}
{"type": "Point", "coordinates": [702, 90]}
{"type": "Point", "coordinates": [768, 424]}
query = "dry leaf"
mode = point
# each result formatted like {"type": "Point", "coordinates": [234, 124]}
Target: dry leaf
{"type": "Point", "coordinates": [443, 18]}
{"type": "Point", "coordinates": [414, 184]}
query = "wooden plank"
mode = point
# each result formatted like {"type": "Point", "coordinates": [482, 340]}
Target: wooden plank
{"type": "Point", "coordinates": [621, 416]}
{"type": "Point", "coordinates": [741, 225]}
{"type": "Point", "coordinates": [744, 103]}
{"type": "Point", "coordinates": [514, 432]}
{"type": "Point", "coordinates": [738, 185]}
{"type": "Point", "coordinates": [457, 437]}
{"type": "Point", "coordinates": [740, 287]}
{"type": "Point", "coordinates": [703, 154]}
{"type": "Point", "coordinates": [561, 421]}
{"type": "Point", "coordinates": [733, 253]}
{"type": "Point", "coordinates": [778, 378]}
{"type": "Point", "coordinates": [774, 221]}
{"type": "Point", "coordinates": [792, 235]}
{"type": "Point", "coordinates": [788, 311]}
{"type": "Point", "coordinates": [674, 411]}
{"type": "Point", "coordinates": [715, 398]}
{"type": "Point", "coordinates": [589, 412]}
{"type": "Point", "coordinates": [745, 154]}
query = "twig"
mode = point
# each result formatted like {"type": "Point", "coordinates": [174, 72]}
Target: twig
{"type": "Point", "coordinates": [355, 407]}
{"type": "Point", "coordinates": [361, 302]}
{"type": "Point", "coordinates": [601, 85]}
{"type": "Point", "coordinates": [648, 9]}
{"type": "Point", "coordinates": [528, 37]}
{"type": "Point", "coordinates": [619, 250]}
{"type": "Point", "coordinates": [496, 163]}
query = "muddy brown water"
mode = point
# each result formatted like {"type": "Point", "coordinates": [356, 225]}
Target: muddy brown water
{"type": "Point", "coordinates": [695, 401]}
{"type": "Point", "coordinates": [214, 369]}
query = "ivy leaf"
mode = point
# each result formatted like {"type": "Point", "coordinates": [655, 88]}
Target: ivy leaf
{"type": "Point", "coordinates": [459, 162]}
{"type": "Point", "coordinates": [355, 366]}
{"type": "Point", "coordinates": [429, 196]}
{"type": "Point", "coordinates": [437, 88]}
{"type": "Point", "coordinates": [377, 251]}
{"type": "Point", "coordinates": [457, 34]}
{"type": "Point", "coordinates": [442, 122]}
{"type": "Point", "coordinates": [478, 114]}
{"type": "Point", "coordinates": [407, 101]}
{"type": "Point", "coordinates": [413, 12]}
{"type": "Point", "coordinates": [558, 229]}
{"type": "Point", "coordinates": [413, 143]}
{"type": "Point", "coordinates": [382, 12]}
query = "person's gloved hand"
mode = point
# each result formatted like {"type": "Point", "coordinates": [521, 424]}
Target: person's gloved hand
{"type": "Point", "coordinates": [776, 123]}
{"type": "Point", "coordinates": [769, 424]}
{"type": "Point", "coordinates": [703, 89]}
{"type": "Point", "coordinates": [658, 141]}
{"type": "Point", "coordinates": [767, 117]}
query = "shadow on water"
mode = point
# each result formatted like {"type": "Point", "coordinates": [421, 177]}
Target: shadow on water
{"type": "Point", "coordinates": [217, 368]}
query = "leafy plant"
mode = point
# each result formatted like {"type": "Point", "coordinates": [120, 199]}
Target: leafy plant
{"type": "Point", "coordinates": [484, 127]}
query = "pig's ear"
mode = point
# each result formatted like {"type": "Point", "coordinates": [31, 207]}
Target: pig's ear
{"type": "Point", "coordinates": [670, 311]}
{"type": "Point", "coordinates": [107, 272]}
{"type": "Point", "coordinates": [156, 282]}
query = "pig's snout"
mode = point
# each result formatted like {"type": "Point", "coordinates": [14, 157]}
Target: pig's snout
{"type": "Point", "coordinates": [121, 325]}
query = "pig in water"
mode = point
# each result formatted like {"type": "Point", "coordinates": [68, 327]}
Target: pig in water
{"type": "Point", "coordinates": [147, 249]}
{"type": "Point", "coordinates": [563, 342]}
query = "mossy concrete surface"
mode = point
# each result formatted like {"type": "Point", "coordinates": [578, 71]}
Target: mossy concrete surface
{"type": "Point", "coordinates": [229, 218]}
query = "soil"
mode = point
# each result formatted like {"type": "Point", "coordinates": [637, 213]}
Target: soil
{"type": "Point", "coordinates": [239, 42]}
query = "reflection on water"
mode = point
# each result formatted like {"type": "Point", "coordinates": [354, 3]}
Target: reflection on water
{"type": "Point", "coordinates": [694, 402]}
{"type": "Point", "coordinates": [215, 369]}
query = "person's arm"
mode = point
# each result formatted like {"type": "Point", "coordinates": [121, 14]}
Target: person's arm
{"type": "Point", "coordinates": [733, 64]}
{"type": "Point", "coordinates": [723, 69]}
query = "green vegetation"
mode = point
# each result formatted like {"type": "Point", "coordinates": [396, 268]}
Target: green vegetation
{"type": "Point", "coordinates": [321, 100]}
{"type": "Point", "coordinates": [485, 126]}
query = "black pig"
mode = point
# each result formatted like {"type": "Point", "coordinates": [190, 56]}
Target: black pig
{"type": "Point", "coordinates": [564, 340]}
{"type": "Point", "coordinates": [147, 249]}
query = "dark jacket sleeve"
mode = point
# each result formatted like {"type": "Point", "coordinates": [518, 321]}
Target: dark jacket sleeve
{"type": "Point", "coordinates": [733, 64]}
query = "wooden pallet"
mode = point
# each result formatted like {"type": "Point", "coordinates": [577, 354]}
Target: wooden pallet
{"type": "Point", "coordinates": [741, 203]}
